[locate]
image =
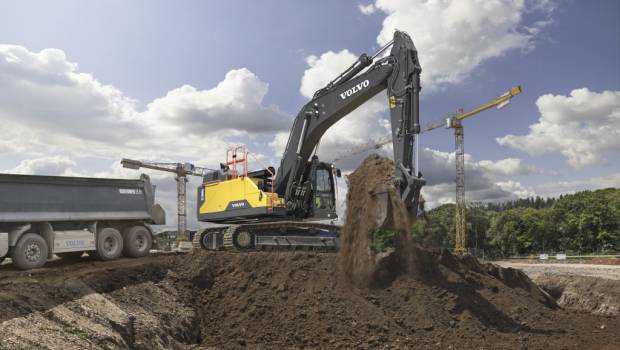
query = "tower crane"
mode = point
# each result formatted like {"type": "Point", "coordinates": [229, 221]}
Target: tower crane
{"type": "Point", "coordinates": [452, 122]}
{"type": "Point", "coordinates": [455, 122]}
{"type": "Point", "coordinates": [182, 170]}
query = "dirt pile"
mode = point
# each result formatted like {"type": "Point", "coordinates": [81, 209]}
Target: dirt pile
{"type": "Point", "coordinates": [283, 300]}
{"type": "Point", "coordinates": [416, 298]}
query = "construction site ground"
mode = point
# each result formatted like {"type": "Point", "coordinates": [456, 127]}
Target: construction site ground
{"type": "Point", "coordinates": [533, 269]}
{"type": "Point", "coordinates": [404, 296]}
{"type": "Point", "coordinates": [283, 300]}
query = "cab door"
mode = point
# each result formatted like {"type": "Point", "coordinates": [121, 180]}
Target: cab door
{"type": "Point", "coordinates": [324, 204]}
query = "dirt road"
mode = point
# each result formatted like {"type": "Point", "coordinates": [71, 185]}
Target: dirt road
{"type": "Point", "coordinates": [533, 269]}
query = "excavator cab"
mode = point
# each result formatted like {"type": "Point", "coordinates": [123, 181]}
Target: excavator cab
{"type": "Point", "coordinates": [324, 192]}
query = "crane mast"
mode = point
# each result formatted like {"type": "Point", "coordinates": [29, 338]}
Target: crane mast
{"type": "Point", "coordinates": [459, 140]}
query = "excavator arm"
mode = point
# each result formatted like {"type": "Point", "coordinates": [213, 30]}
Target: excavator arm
{"type": "Point", "coordinates": [399, 74]}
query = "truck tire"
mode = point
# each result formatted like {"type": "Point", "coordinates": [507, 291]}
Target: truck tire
{"type": "Point", "coordinates": [137, 242]}
{"type": "Point", "coordinates": [109, 244]}
{"type": "Point", "coordinates": [30, 252]}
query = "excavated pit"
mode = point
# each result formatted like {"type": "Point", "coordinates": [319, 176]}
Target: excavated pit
{"type": "Point", "coordinates": [410, 297]}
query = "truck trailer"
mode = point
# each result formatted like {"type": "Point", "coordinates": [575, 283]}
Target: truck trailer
{"type": "Point", "coordinates": [45, 215]}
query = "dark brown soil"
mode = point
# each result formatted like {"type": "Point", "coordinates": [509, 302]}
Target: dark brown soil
{"type": "Point", "coordinates": [286, 300]}
{"type": "Point", "coordinates": [298, 300]}
{"type": "Point", "coordinates": [224, 300]}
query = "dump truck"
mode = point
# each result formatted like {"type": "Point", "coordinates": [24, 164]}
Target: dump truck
{"type": "Point", "coordinates": [45, 215]}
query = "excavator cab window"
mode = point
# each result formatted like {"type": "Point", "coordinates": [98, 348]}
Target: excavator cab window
{"type": "Point", "coordinates": [324, 197]}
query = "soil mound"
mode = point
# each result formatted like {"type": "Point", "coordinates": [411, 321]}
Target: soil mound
{"type": "Point", "coordinates": [416, 298]}
{"type": "Point", "coordinates": [223, 300]}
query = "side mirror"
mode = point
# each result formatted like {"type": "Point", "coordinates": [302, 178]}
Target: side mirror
{"type": "Point", "coordinates": [338, 173]}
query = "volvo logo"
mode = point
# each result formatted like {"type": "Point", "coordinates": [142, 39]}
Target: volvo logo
{"type": "Point", "coordinates": [355, 89]}
{"type": "Point", "coordinates": [241, 204]}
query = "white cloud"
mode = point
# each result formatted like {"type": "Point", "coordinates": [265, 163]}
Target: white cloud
{"type": "Point", "coordinates": [439, 170]}
{"type": "Point", "coordinates": [234, 106]}
{"type": "Point", "coordinates": [556, 188]}
{"type": "Point", "coordinates": [47, 101]}
{"type": "Point", "coordinates": [584, 127]}
{"type": "Point", "coordinates": [53, 165]}
{"type": "Point", "coordinates": [367, 9]}
{"type": "Point", "coordinates": [324, 69]}
{"type": "Point", "coordinates": [54, 117]}
{"type": "Point", "coordinates": [455, 37]}
{"type": "Point", "coordinates": [278, 144]}
{"type": "Point", "coordinates": [44, 91]}
{"type": "Point", "coordinates": [507, 167]}
{"type": "Point", "coordinates": [517, 188]}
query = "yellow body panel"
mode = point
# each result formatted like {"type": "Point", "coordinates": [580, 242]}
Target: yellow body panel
{"type": "Point", "coordinates": [218, 195]}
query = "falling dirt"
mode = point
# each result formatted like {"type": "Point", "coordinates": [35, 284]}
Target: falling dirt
{"type": "Point", "coordinates": [228, 300]}
{"type": "Point", "coordinates": [373, 204]}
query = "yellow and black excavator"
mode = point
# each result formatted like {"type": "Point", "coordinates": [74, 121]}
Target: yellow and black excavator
{"type": "Point", "coordinates": [289, 208]}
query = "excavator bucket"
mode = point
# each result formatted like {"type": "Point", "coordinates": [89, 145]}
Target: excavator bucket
{"type": "Point", "coordinates": [381, 208]}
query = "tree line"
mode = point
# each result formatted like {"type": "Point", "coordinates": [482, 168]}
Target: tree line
{"type": "Point", "coordinates": [584, 222]}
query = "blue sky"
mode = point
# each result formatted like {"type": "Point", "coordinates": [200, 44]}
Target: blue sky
{"type": "Point", "coordinates": [146, 49]}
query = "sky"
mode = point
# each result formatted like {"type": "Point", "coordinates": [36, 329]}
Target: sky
{"type": "Point", "coordinates": [86, 83]}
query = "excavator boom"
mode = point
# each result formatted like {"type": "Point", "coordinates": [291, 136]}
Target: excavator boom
{"type": "Point", "coordinates": [399, 74]}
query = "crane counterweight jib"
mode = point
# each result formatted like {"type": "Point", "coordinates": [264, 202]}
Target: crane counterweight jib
{"type": "Point", "coordinates": [130, 164]}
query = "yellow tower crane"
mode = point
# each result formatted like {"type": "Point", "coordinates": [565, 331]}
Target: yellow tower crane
{"type": "Point", "coordinates": [455, 122]}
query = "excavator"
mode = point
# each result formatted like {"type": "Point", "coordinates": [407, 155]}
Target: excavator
{"type": "Point", "coordinates": [295, 207]}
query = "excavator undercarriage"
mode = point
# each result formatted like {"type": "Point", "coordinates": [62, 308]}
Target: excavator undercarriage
{"type": "Point", "coordinates": [275, 235]}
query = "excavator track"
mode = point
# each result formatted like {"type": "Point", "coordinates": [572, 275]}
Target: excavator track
{"type": "Point", "coordinates": [269, 235]}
